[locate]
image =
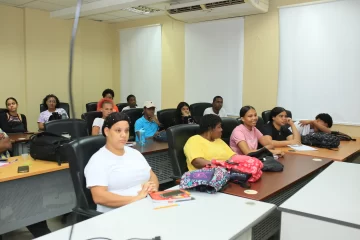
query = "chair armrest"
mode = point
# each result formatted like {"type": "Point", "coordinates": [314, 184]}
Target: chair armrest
{"type": "Point", "coordinates": [87, 213]}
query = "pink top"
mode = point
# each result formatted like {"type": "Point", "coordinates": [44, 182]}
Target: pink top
{"type": "Point", "coordinates": [241, 133]}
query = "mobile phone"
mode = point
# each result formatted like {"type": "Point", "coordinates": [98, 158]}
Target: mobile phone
{"type": "Point", "coordinates": [23, 169]}
{"type": "Point", "coordinates": [172, 193]}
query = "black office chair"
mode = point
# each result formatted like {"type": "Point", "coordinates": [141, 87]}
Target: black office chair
{"type": "Point", "coordinates": [166, 117]}
{"type": "Point", "coordinates": [134, 114]}
{"type": "Point", "coordinates": [197, 110]}
{"type": "Point", "coordinates": [91, 106]}
{"type": "Point", "coordinates": [266, 115]}
{"type": "Point", "coordinates": [3, 110]}
{"type": "Point", "coordinates": [78, 153]}
{"type": "Point", "coordinates": [76, 128]}
{"type": "Point", "coordinates": [65, 106]}
{"type": "Point", "coordinates": [120, 106]}
{"type": "Point", "coordinates": [89, 119]}
{"type": "Point", "coordinates": [177, 137]}
{"type": "Point", "coordinates": [228, 125]}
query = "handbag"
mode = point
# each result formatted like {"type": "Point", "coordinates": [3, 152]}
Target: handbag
{"type": "Point", "coordinates": [270, 164]}
{"type": "Point", "coordinates": [321, 140]}
{"type": "Point", "coordinates": [243, 164]}
{"type": "Point", "coordinates": [45, 146]}
{"type": "Point", "coordinates": [210, 180]}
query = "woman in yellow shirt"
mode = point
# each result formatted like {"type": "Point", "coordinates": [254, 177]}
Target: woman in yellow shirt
{"type": "Point", "coordinates": [207, 145]}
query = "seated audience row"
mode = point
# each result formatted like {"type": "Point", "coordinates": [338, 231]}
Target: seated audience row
{"type": "Point", "coordinates": [280, 131]}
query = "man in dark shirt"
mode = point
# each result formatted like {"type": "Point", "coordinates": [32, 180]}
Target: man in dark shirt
{"type": "Point", "coordinates": [277, 130]}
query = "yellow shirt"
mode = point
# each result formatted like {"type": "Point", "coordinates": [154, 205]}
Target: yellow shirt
{"type": "Point", "coordinates": [199, 147]}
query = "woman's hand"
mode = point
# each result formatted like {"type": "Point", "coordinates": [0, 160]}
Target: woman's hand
{"type": "Point", "coordinates": [278, 152]}
{"type": "Point", "coordinates": [144, 191]}
{"type": "Point", "coordinates": [152, 187]}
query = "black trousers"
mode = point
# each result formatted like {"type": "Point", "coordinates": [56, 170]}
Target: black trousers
{"type": "Point", "coordinates": [38, 229]}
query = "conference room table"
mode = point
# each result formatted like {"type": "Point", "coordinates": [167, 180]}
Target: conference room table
{"type": "Point", "coordinates": [46, 191]}
{"type": "Point", "coordinates": [210, 216]}
{"type": "Point", "coordinates": [277, 187]}
{"type": "Point", "coordinates": [156, 154]}
{"type": "Point", "coordinates": [348, 151]}
{"type": "Point", "coordinates": [326, 208]}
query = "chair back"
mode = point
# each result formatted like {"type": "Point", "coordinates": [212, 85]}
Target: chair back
{"type": "Point", "coordinates": [134, 114]}
{"type": "Point", "coordinates": [228, 125]}
{"type": "Point", "coordinates": [177, 137]}
{"type": "Point", "coordinates": [75, 127]}
{"type": "Point", "coordinates": [78, 153]}
{"type": "Point", "coordinates": [166, 117]}
{"type": "Point", "coordinates": [91, 106]}
{"type": "Point", "coordinates": [63, 105]}
{"type": "Point", "coordinates": [89, 119]}
{"type": "Point", "coordinates": [120, 106]}
{"type": "Point", "coordinates": [197, 110]}
{"type": "Point", "coordinates": [3, 110]}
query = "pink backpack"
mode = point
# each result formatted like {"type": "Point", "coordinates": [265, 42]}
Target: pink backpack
{"type": "Point", "coordinates": [242, 163]}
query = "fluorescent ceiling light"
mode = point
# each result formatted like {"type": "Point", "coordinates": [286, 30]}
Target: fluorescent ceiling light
{"type": "Point", "coordinates": [141, 10]}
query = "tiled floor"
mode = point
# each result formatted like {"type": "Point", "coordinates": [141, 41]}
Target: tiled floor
{"type": "Point", "coordinates": [23, 234]}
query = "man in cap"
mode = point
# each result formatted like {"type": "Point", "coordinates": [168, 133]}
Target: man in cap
{"type": "Point", "coordinates": [148, 121]}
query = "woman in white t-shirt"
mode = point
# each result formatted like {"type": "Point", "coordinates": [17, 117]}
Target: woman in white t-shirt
{"type": "Point", "coordinates": [106, 109]}
{"type": "Point", "coordinates": [116, 174]}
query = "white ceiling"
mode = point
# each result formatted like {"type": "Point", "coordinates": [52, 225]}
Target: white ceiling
{"type": "Point", "coordinates": [108, 16]}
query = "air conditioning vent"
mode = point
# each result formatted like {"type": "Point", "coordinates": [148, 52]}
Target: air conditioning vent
{"type": "Point", "coordinates": [185, 9]}
{"type": "Point", "coordinates": [223, 3]}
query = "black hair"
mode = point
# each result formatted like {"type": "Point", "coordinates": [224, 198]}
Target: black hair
{"type": "Point", "coordinates": [178, 114]}
{"type": "Point", "coordinates": [108, 91]}
{"type": "Point", "coordinates": [326, 118]}
{"type": "Point", "coordinates": [114, 118]}
{"type": "Point", "coordinates": [130, 96]}
{"type": "Point", "coordinates": [51, 96]}
{"type": "Point", "coordinates": [209, 122]}
{"type": "Point", "coordinates": [276, 111]}
{"type": "Point", "coordinates": [10, 98]}
{"type": "Point", "coordinates": [244, 110]}
{"type": "Point", "coordinates": [214, 99]}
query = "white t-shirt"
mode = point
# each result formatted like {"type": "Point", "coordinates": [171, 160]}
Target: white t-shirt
{"type": "Point", "coordinates": [209, 110]}
{"type": "Point", "coordinates": [123, 175]}
{"type": "Point", "coordinates": [303, 130]}
{"type": "Point", "coordinates": [98, 122]}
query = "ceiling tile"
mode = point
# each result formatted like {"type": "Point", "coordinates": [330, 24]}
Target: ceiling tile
{"type": "Point", "coordinates": [118, 20]}
{"type": "Point", "coordinates": [123, 14]}
{"type": "Point", "coordinates": [43, 6]}
{"type": "Point", "coordinates": [103, 17]}
{"type": "Point", "coordinates": [15, 2]}
{"type": "Point", "coordinates": [161, 6]}
{"type": "Point", "coordinates": [90, 1]}
{"type": "Point", "coordinates": [66, 3]}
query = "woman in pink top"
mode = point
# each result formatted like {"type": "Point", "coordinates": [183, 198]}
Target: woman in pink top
{"type": "Point", "coordinates": [245, 137]}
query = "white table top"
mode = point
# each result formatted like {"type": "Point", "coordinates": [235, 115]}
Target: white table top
{"type": "Point", "coordinates": [210, 216]}
{"type": "Point", "coordinates": [334, 195]}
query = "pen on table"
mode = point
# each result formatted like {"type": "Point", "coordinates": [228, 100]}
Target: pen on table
{"type": "Point", "coordinates": [13, 161]}
{"type": "Point", "coordinates": [173, 205]}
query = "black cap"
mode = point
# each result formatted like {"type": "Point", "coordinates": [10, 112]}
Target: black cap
{"type": "Point", "coordinates": [114, 118]}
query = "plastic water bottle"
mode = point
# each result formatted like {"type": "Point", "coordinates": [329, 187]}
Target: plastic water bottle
{"type": "Point", "coordinates": [142, 139]}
